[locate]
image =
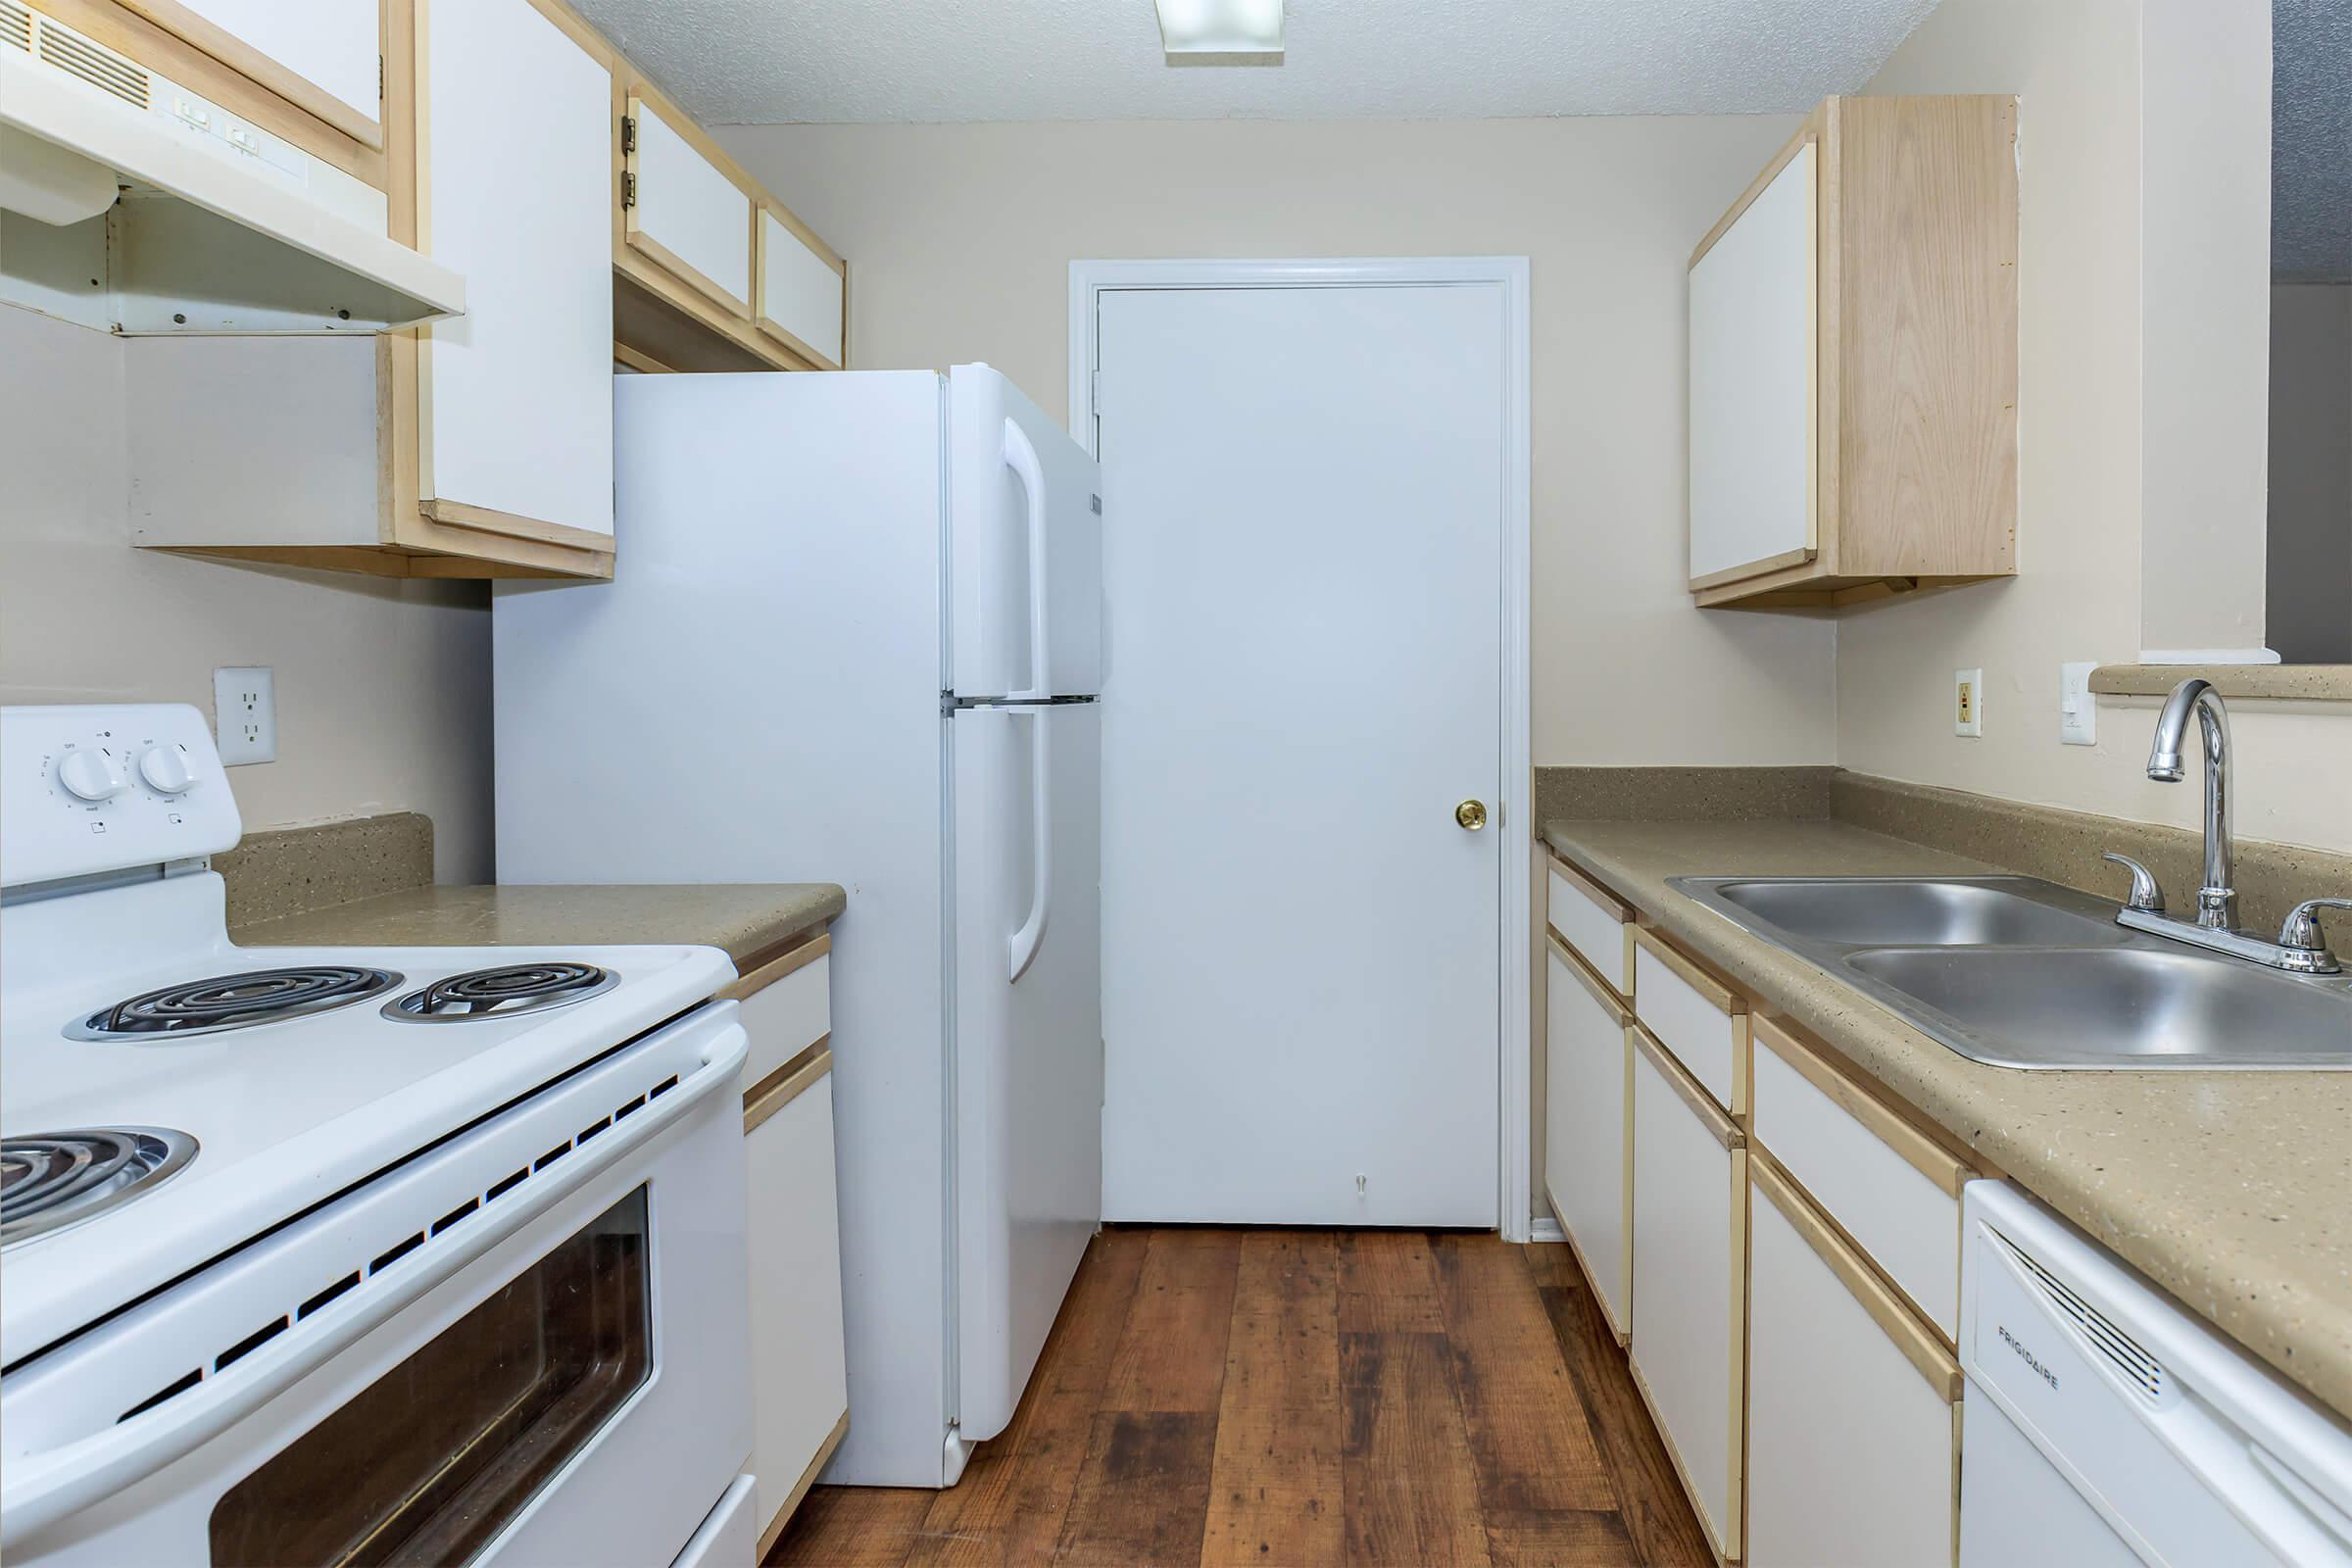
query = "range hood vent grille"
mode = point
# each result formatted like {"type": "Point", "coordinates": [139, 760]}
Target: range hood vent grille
{"type": "Point", "coordinates": [93, 63]}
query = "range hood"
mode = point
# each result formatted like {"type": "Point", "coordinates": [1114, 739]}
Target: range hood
{"type": "Point", "coordinates": [132, 205]}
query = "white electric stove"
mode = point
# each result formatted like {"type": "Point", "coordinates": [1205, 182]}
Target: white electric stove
{"type": "Point", "coordinates": [419, 1254]}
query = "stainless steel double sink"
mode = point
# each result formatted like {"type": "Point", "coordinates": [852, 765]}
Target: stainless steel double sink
{"type": "Point", "coordinates": [2023, 973]}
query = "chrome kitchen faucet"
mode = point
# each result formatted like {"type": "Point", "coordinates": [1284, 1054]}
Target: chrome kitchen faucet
{"type": "Point", "coordinates": [2302, 947]}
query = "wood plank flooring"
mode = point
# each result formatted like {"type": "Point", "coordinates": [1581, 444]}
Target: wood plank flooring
{"type": "Point", "coordinates": [1293, 1399]}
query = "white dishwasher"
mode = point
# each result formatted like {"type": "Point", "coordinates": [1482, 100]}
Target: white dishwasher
{"type": "Point", "coordinates": [2105, 1425]}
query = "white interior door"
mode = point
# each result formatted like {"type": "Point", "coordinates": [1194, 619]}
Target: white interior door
{"type": "Point", "coordinates": [1304, 490]}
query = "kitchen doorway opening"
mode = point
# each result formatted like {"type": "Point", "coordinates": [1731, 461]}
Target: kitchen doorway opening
{"type": "Point", "coordinates": [1316, 891]}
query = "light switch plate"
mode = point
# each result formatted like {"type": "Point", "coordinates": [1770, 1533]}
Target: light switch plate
{"type": "Point", "coordinates": [2078, 708]}
{"type": "Point", "coordinates": [1968, 702]}
{"type": "Point", "coordinates": [245, 713]}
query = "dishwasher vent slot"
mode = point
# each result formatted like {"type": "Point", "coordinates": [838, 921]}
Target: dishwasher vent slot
{"type": "Point", "coordinates": [2139, 1369]}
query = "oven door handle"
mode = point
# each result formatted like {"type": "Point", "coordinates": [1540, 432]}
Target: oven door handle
{"type": "Point", "coordinates": [41, 1489]}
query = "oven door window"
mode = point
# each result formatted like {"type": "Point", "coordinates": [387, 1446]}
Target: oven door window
{"type": "Point", "coordinates": [438, 1455]}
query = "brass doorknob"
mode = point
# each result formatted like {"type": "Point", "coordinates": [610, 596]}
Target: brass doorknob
{"type": "Point", "coordinates": [1472, 815]}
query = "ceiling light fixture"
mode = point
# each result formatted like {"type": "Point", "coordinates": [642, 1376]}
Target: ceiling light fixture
{"type": "Point", "coordinates": [1221, 33]}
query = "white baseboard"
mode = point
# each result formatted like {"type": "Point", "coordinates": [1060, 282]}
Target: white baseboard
{"type": "Point", "coordinates": [1547, 1229]}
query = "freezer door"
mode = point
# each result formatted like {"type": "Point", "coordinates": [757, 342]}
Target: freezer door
{"type": "Point", "coordinates": [1028, 1040]}
{"type": "Point", "coordinates": [1024, 546]}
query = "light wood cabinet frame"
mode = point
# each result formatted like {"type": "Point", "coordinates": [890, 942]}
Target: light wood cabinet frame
{"type": "Point", "coordinates": [787, 1083]}
{"type": "Point", "coordinates": [791, 958]}
{"type": "Point", "coordinates": [823, 251]}
{"type": "Point", "coordinates": [1920, 1344]}
{"type": "Point", "coordinates": [1914, 314]}
{"type": "Point", "coordinates": [246, 61]}
{"type": "Point", "coordinates": [133, 28]}
{"type": "Point", "coordinates": [653, 303]}
{"type": "Point", "coordinates": [1928, 1152]}
{"type": "Point", "coordinates": [1605, 996]}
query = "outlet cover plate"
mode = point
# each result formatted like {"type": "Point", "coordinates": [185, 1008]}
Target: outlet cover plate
{"type": "Point", "coordinates": [2078, 709]}
{"type": "Point", "coordinates": [1968, 702]}
{"type": "Point", "coordinates": [245, 714]}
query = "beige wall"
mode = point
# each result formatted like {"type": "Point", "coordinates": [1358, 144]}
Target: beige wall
{"type": "Point", "coordinates": [2077, 595]}
{"type": "Point", "coordinates": [959, 239]}
{"type": "Point", "coordinates": [383, 700]}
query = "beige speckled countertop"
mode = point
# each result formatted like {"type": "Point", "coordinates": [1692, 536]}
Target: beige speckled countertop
{"type": "Point", "coordinates": [749, 919]}
{"type": "Point", "coordinates": [2232, 1190]}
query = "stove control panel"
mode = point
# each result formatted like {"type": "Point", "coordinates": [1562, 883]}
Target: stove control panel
{"type": "Point", "coordinates": [85, 790]}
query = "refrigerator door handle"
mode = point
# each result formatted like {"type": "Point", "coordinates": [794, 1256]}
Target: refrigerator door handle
{"type": "Point", "coordinates": [1021, 946]}
{"type": "Point", "coordinates": [1020, 456]}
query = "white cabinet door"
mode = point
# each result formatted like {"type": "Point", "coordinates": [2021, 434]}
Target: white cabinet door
{"type": "Point", "coordinates": [800, 292]}
{"type": "Point", "coordinates": [334, 46]}
{"type": "Point", "coordinates": [517, 392]}
{"type": "Point", "coordinates": [1851, 1431]}
{"type": "Point", "coordinates": [1585, 1114]}
{"type": "Point", "coordinates": [1752, 386]}
{"type": "Point", "coordinates": [1690, 1261]}
{"type": "Point", "coordinates": [800, 1381]}
{"type": "Point", "coordinates": [685, 213]}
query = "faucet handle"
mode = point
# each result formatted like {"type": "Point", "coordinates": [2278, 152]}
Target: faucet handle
{"type": "Point", "coordinates": [2302, 929]}
{"type": "Point", "coordinates": [2146, 896]}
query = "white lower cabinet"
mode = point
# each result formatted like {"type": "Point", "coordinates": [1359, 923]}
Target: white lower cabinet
{"type": "Point", "coordinates": [1853, 1404]}
{"type": "Point", "coordinates": [800, 1379]}
{"type": "Point", "coordinates": [1689, 1213]}
{"type": "Point", "coordinates": [1586, 1109]}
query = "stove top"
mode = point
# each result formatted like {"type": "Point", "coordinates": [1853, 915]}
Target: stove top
{"type": "Point", "coordinates": [299, 1071]}
{"type": "Point", "coordinates": [52, 1180]}
{"type": "Point", "coordinates": [246, 1001]}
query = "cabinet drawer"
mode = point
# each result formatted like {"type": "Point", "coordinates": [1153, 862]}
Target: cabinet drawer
{"type": "Point", "coordinates": [1692, 1015]}
{"type": "Point", "coordinates": [1592, 923]}
{"type": "Point", "coordinates": [800, 1381]}
{"type": "Point", "coordinates": [787, 1013]}
{"type": "Point", "coordinates": [1690, 1261]}
{"type": "Point", "coordinates": [1894, 1190]}
{"type": "Point", "coordinates": [1587, 1105]}
{"type": "Point", "coordinates": [1853, 1402]}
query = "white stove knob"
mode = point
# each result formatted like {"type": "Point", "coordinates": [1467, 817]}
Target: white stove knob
{"type": "Point", "coordinates": [91, 775]}
{"type": "Point", "coordinates": [165, 769]}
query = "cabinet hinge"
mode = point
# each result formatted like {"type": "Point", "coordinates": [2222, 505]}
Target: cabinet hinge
{"type": "Point", "coordinates": [628, 134]}
{"type": "Point", "coordinates": [628, 190]}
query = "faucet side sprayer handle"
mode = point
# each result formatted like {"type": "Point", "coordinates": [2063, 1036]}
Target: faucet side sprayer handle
{"type": "Point", "coordinates": [2302, 928]}
{"type": "Point", "coordinates": [2146, 896]}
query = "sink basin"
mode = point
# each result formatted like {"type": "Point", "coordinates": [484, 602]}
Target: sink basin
{"type": "Point", "coordinates": [2118, 1006]}
{"type": "Point", "coordinates": [1913, 911]}
{"type": "Point", "coordinates": [2023, 973]}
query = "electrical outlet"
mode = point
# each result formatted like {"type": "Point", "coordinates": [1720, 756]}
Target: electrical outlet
{"type": "Point", "coordinates": [1968, 702]}
{"type": "Point", "coordinates": [245, 714]}
{"type": "Point", "coordinates": [2078, 709]}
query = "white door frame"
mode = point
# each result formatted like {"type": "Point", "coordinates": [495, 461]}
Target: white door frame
{"type": "Point", "coordinates": [1090, 280]}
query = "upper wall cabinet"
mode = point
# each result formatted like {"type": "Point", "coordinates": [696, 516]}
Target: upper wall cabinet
{"type": "Point", "coordinates": [713, 274]}
{"type": "Point", "coordinates": [515, 399]}
{"type": "Point", "coordinates": [596, 224]}
{"type": "Point", "coordinates": [1853, 360]}
{"type": "Point", "coordinates": [322, 56]}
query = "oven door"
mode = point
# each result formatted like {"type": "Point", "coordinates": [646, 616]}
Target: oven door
{"type": "Point", "coordinates": [565, 1384]}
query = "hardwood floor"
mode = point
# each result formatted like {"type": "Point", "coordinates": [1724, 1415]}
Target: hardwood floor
{"type": "Point", "coordinates": [1299, 1398]}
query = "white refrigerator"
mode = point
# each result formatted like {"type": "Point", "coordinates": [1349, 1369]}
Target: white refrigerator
{"type": "Point", "coordinates": [854, 635]}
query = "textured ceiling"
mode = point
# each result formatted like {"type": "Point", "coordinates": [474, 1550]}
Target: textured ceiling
{"type": "Point", "coordinates": [2311, 142]}
{"type": "Point", "coordinates": [757, 62]}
